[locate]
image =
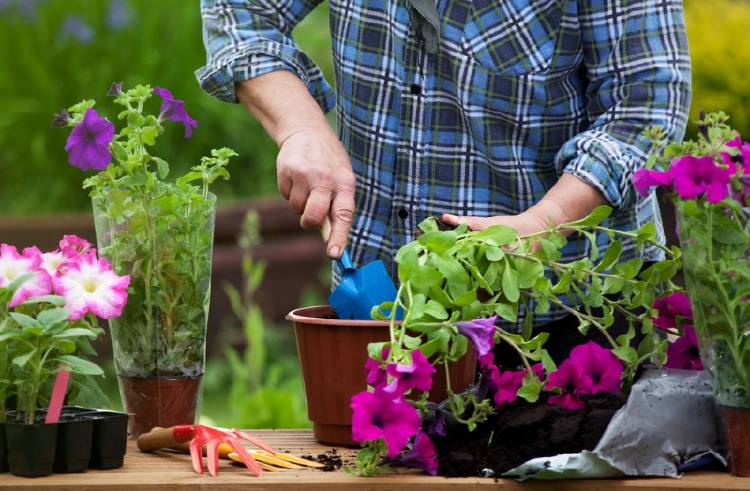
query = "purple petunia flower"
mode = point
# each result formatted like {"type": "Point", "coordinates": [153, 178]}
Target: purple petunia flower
{"type": "Point", "coordinates": [417, 375]}
{"type": "Point", "coordinates": [600, 365]}
{"type": "Point", "coordinates": [697, 176]}
{"type": "Point", "coordinates": [481, 332]}
{"type": "Point", "coordinates": [670, 308]}
{"type": "Point", "coordinates": [507, 384]}
{"type": "Point", "coordinates": [572, 382]}
{"type": "Point", "coordinates": [421, 456]}
{"type": "Point", "coordinates": [88, 143]}
{"type": "Point", "coordinates": [645, 179]}
{"type": "Point", "coordinates": [377, 415]}
{"type": "Point", "coordinates": [174, 110]}
{"type": "Point", "coordinates": [76, 28]}
{"type": "Point", "coordinates": [684, 352]}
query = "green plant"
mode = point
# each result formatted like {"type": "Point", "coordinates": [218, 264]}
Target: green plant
{"type": "Point", "coordinates": [158, 232]}
{"type": "Point", "coordinates": [266, 388]}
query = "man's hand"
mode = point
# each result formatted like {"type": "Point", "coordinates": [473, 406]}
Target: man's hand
{"type": "Point", "coordinates": [568, 200]}
{"type": "Point", "coordinates": [313, 170]}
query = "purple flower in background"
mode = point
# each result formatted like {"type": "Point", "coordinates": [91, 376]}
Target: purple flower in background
{"type": "Point", "coordinates": [119, 15]}
{"type": "Point", "coordinates": [61, 119]}
{"type": "Point", "coordinates": [88, 143]}
{"type": "Point", "coordinates": [422, 455]}
{"type": "Point", "coordinates": [645, 179]}
{"type": "Point", "coordinates": [696, 176]}
{"type": "Point", "coordinates": [174, 110]}
{"type": "Point", "coordinates": [481, 333]}
{"type": "Point", "coordinates": [115, 89]}
{"type": "Point", "coordinates": [684, 352]}
{"type": "Point", "coordinates": [76, 28]}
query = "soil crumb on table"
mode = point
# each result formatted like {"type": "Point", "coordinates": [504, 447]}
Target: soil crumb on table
{"type": "Point", "coordinates": [331, 460]}
{"type": "Point", "coordinates": [523, 431]}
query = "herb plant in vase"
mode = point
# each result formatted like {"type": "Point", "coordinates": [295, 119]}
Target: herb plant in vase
{"type": "Point", "coordinates": [159, 233]}
{"type": "Point", "coordinates": [709, 182]}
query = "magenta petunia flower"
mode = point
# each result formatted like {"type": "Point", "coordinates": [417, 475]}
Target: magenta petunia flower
{"type": "Point", "coordinates": [73, 246]}
{"type": "Point", "coordinates": [377, 415]}
{"type": "Point", "coordinates": [645, 179]}
{"type": "Point", "coordinates": [671, 308]}
{"type": "Point", "coordinates": [90, 285]}
{"type": "Point", "coordinates": [88, 143]}
{"type": "Point", "coordinates": [507, 384]}
{"type": "Point", "coordinates": [572, 382]}
{"type": "Point", "coordinates": [14, 265]}
{"type": "Point", "coordinates": [481, 333]}
{"type": "Point", "coordinates": [376, 375]}
{"type": "Point", "coordinates": [684, 352]}
{"type": "Point", "coordinates": [174, 110]}
{"type": "Point", "coordinates": [417, 375]}
{"type": "Point", "coordinates": [694, 177]}
{"type": "Point", "coordinates": [743, 158]}
{"type": "Point", "coordinates": [599, 365]}
{"type": "Point", "coordinates": [422, 455]}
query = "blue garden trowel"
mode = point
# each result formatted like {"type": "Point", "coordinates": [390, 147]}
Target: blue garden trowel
{"type": "Point", "coordinates": [359, 289]}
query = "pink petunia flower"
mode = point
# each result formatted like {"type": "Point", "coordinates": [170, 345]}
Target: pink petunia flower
{"type": "Point", "coordinates": [507, 384]}
{"type": "Point", "coordinates": [88, 143]}
{"type": "Point", "coordinates": [599, 365]}
{"type": "Point", "coordinates": [645, 179]}
{"type": "Point", "coordinates": [743, 158]}
{"type": "Point", "coordinates": [671, 308]}
{"type": "Point", "coordinates": [422, 455]}
{"type": "Point", "coordinates": [90, 285]}
{"type": "Point", "coordinates": [376, 375]}
{"type": "Point", "coordinates": [684, 352]}
{"type": "Point", "coordinates": [417, 375]}
{"type": "Point", "coordinates": [481, 333]}
{"type": "Point", "coordinates": [377, 415]}
{"type": "Point", "coordinates": [13, 265]}
{"type": "Point", "coordinates": [694, 177]}
{"type": "Point", "coordinates": [73, 246]}
{"type": "Point", "coordinates": [52, 262]}
{"type": "Point", "coordinates": [572, 382]}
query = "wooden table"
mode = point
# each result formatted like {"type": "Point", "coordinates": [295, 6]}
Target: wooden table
{"type": "Point", "coordinates": [166, 471]}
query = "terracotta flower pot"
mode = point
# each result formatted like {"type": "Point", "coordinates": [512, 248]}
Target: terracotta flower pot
{"type": "Point", "coordinates": [333, 353]}
{"type": "Point", "coordinates": [736, 424]}
{"type": "Point", "coordinates": [161, 402]}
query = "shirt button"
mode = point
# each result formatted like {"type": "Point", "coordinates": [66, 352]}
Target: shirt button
{"type": "Point", "coordinates": [403, 214]}
{"type": "Point", "coordinates": [415, 89]}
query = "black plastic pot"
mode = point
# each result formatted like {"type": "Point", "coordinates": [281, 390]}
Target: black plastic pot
{"type": "Point", "coordinates": [3, 450]}
{"type": "Point", "coordinates": [74, 437]}
{"type": "Point", "coordinates": [109, 440]}
{"type": "Point", "coordinates": [31, 448]}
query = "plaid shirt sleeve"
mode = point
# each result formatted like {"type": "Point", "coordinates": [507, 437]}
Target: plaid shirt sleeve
{"type": "Point", "coordinates": [248, 38]}
{"type": "Point", "coordinates": [638, 66]}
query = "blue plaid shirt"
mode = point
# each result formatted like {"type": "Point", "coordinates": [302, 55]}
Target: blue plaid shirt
{"type": "Point", "coordinates": [518, 92]}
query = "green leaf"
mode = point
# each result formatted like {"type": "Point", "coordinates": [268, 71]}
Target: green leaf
{"type": "Point", "coordinates": [76, 332]}
{"type": "Point", "coordinates": [50, 317]}
{"type": "Point", "coordinates": [626, 354]}
{"type": "Point", "coordinates": [548, 363]}
{"type": "Point", "coordinates": [563, 284]}
{"type": "Point", "coordinates": [79, 365]}
{"type": "Point", "coordinates": [465, 298]}
{"type": "Point", "coordinates": [436, 310]}
{"type": "Point", "coordinates": [438, 241]}
{"type": "Point", "coordinates": [528, 272]}
{"type": "Point", "coordinates": [530, 389]}
{"type": "Point", "coordinates": [21, 360]}
{"type": "Point", "coordinates": [596, 217]}
{"type": "Point", "coordinates": [498, 235]}
{"type": "Point", "coordinates": [510, 282]}
{"type": "Point", "coordinates": [50, 299]}
{"type": "Point", "coordinates": [610, 257]}
{"type": "Point", "coordinates": [375, 350]}
{"type": "Point", "coordinates": [23, 320]}
{"type": "Point", "coordinates": [509, 312]}
{"type": "Point", "coordinates": [412, 342]}
{"type": "Point", "coordinates": [408, 262]}
{"type": "Point", "coordinates": [494, 253]}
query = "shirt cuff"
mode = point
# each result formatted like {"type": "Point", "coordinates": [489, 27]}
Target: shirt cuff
{"type": "Point", "coordinates": [218, 78]}
{"type": "Point", "coordinates": [600, 161]}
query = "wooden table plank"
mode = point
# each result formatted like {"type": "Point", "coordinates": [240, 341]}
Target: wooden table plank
{"type": "Point", "coordinates": [168, 471]}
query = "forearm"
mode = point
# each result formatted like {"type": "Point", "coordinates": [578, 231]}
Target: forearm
{"type": "Point", "coordinates": [282, 104]}
{"type": "Point", "coordinates": [568, 200]}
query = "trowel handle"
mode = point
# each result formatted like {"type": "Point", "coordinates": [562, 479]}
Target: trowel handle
{"type": "Point", "coordinates": [345, 261]}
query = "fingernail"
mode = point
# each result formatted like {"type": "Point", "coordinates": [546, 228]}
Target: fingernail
{"type": "Point", "coordinates": [333, 251]}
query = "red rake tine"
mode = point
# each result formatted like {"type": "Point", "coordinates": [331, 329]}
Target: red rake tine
{"type": "Point", "coordinates": [212, 455]}
{"type": "Point", "coordinates": [196, 455]}
{"type": "Point", "coordinates": [245, 457]}
{"type": "Point", "coordinates": [254, 440]}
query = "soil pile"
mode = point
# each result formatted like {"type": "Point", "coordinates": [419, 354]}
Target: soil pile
{"type": "Point", "coordinates": [523, 431]}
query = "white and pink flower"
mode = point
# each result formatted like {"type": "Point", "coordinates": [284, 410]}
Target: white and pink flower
{"type": "Point", "coordinates": [90, 285]}
{"type": "Point", "coordinates": [14, 265]}
{"type": "Point", "coordinates": [73, 246]}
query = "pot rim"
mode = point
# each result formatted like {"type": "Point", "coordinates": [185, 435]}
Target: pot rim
{"type": "Point", "coordinates": [316, 315]}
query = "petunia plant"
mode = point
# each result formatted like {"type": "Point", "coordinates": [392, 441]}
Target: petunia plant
{"type": "Point", "coordinates": [462, 290]}
{"type": "Point", "coordinates": [158, 232]}
{"type": "Point", "coordinates": [49, 306]}
{"type": "Point", "coordinates": [709, 181]}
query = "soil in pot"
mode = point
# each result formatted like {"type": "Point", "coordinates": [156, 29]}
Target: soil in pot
{"type": "Point", "coordinates": [109, 441]}
{"type": "Point", "coordinates": [3, 450]}
{"type": "Point", "coordinates": [523, 431]}
{"type": "Point", "coordinates": [162, 402]}
{"type": "Point", "coordinates": [74, 433]}
{"type": "Point", "coordinates": [31, 448]}
{"type": "Point", "coordinates": [736, 425]}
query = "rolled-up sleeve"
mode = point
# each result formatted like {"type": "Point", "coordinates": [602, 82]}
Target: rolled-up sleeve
{"type": "Point", "coordinates": [638, 70]}
{"type": "Point", "coordinates": [248, 38]}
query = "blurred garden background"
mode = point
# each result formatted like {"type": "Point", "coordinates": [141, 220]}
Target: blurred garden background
{"type": "Point", "coordinates": [57, 52]}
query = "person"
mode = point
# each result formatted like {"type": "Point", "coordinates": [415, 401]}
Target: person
{"type": "Point", "coordinates": [518, 112]}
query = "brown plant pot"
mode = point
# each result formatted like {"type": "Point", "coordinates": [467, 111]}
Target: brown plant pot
{"type": "Point", "coordinates": [736, 425]}
{"type": "Point", "coordinates": [160, 402]}
{"type": "Point", "coordinates": [333, 353]}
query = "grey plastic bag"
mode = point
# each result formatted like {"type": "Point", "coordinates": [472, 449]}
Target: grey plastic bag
{"type": "Point", "coordinates": [669, 420]}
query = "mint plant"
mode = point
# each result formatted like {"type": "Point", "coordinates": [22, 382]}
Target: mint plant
{"type": "Point", "coordinates": [158, 232]}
